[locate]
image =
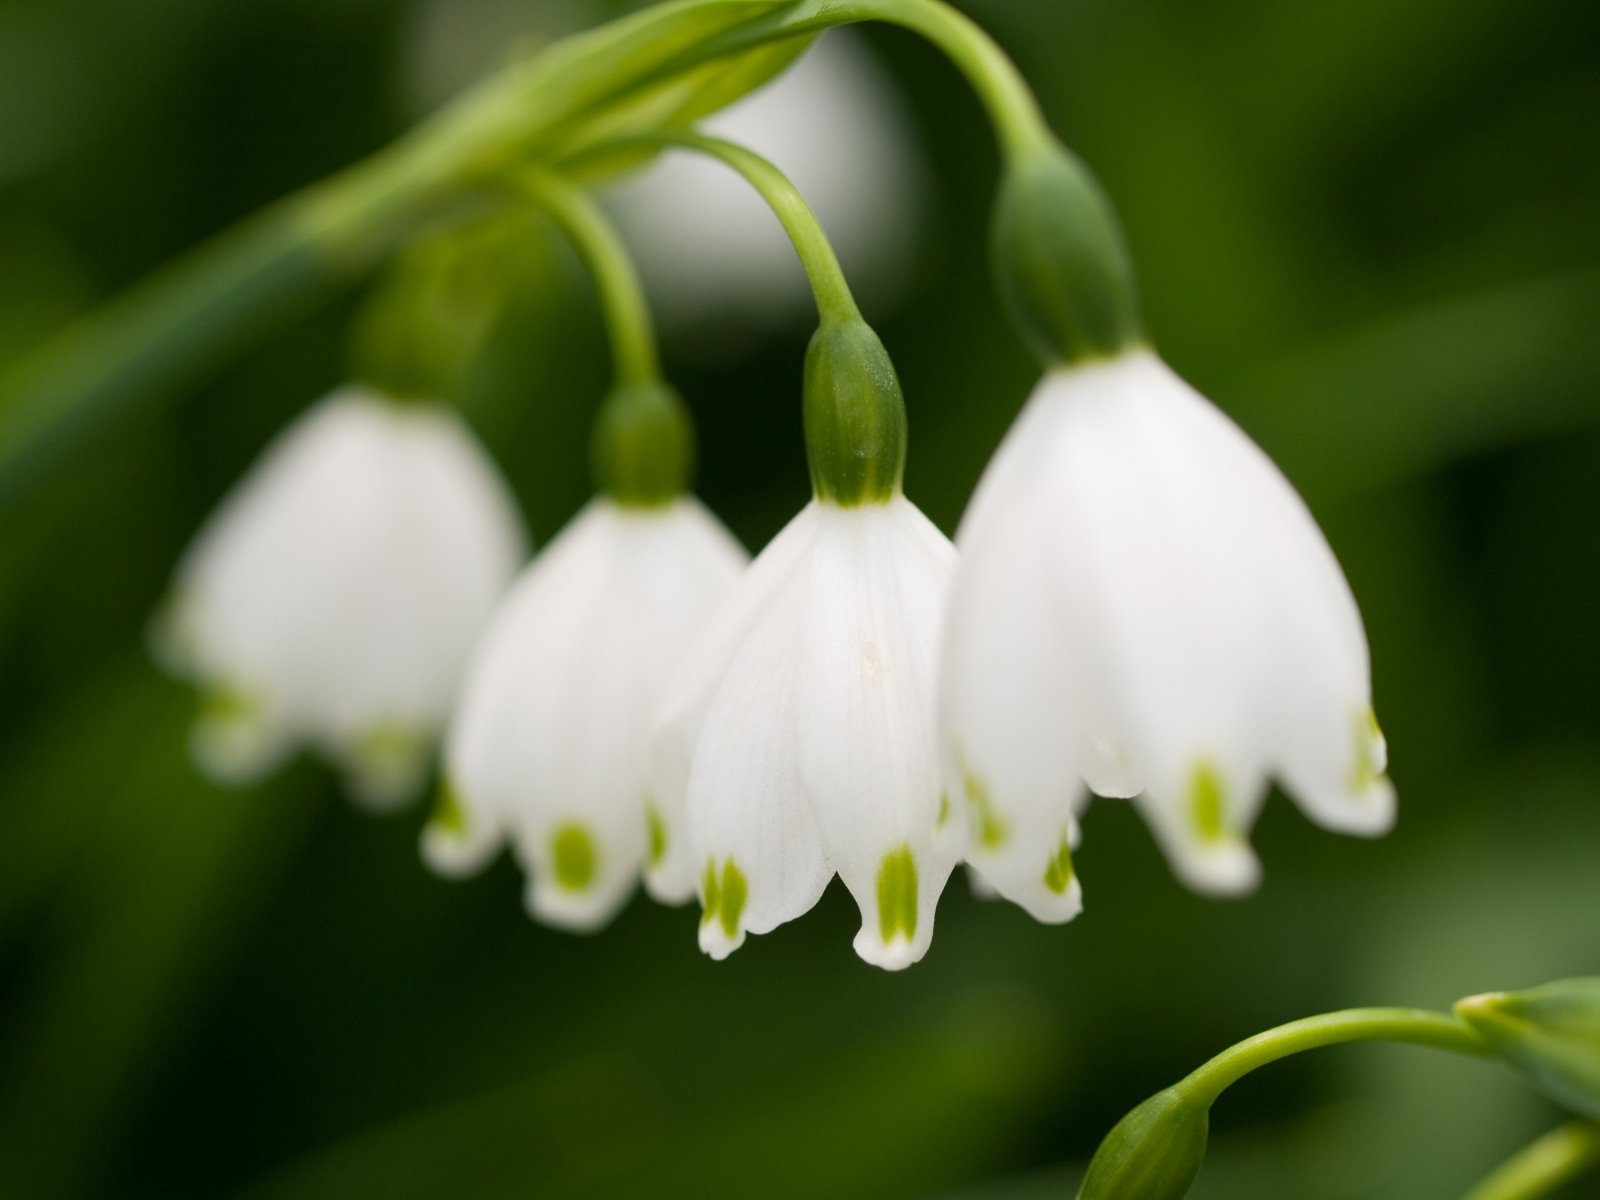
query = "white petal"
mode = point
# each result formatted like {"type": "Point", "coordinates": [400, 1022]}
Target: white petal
{"type": "Point", "coordinates": [867, 739]}
{"type": "Point", "coordinates": [342, 581]}
{"type": "Point", "coordinates": [674, 876]}
{"type": "Point", "coordinates": [1009, 693]}
{"type": "Point", "coordinates": [750, 830]}
{"type": "Point", "coordinates": [550, 740]}
{"type": "Point", "coordinates": [1168, 606]}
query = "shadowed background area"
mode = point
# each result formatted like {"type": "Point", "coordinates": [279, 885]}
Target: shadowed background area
{"type": "Point", "coordinates": [1370, 231]}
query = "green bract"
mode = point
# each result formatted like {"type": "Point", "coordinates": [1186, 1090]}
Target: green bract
{"type": "Point", "coordinates": [1060, 261]}
{"type": "Point", "coordinates": [1551, 1034]}
{"type": "Point", "coordinates": [1154, 1153]}
{"type": "Point", "coordinates": [643, 445]}
{"type": "Point", "coordinates": [855, 416]}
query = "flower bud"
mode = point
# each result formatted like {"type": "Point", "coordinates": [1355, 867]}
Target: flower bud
{"type": "Point", "coordinates": [1154, 1153]}
{"type": "Point", "coordinates": [1060, 261]}
{"type": "Point", "coordinates": [855, 416]}
{"type": "Point", "coordinates": [1551, 1034]}
{"type": "Point", "coordinates": [643, 445]}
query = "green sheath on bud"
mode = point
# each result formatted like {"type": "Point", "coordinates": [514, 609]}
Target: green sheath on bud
{"type": "Point", "coordinates": [644, 445]}
{"type": "Point", "coordinates": [1551, 1034]}
{"type": "Point", "coordinates": [1060, 260]}
{"type": "Point", "coordinates": [1154, 1153]}
{"type": "Point", "coordinates": [855, 416]}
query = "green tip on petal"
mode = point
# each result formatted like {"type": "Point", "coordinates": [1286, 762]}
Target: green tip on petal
{"type": "Point", "coordinates": [725, 896]}
{"type": "Point", "coordinates": [657, 828]}
{"type": "Point", "coordinates": [573, 857]}
{"type": "Point", "coordinates": [1208, 804]}
{"type": "Point", "coordinates": [1367, 769]}
{"type": "Point", "coordinates": [989, 828]}
{"type": "Point", "coordinates": [449, 812]}
{"type": "Point", "coordinates": [1058, 874]}
{"type": "Point", "coordinates": [897, 895]}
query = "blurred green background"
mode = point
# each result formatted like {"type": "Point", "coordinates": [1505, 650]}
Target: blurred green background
{"type": "Point", "coordinates": [1370, 230]}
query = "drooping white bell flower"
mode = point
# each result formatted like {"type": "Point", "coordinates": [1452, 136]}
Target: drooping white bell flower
{"type": "Point", "coordinates": [548, 746]}
{"type": "Point", "coordinates": [332, 598]}
{"type": "Point", "coordinates": [1145, 608]}
{"type": "Point", "coordinates": [800, 737]}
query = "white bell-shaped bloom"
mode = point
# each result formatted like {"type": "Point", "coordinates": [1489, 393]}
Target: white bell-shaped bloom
{"type": "Point", "coordinates": [800, 738]}
{"type": "Point", "coordinates": [835, 125]}
{"type": "Point", "coordinates": [1145, 608]}
{"type": "Point", "coordinates": [332, 599]}
{"type": "Point", "coordinates": [548, 747]}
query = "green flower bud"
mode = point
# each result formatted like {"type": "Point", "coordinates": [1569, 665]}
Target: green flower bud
{"type": "Point", "coordinates": [1154, 1153]}
{"type": "Point", "coordinates": [1551, 1034]}
{"type": "Point", "coordinates": [855, 416]}
{"type": "Point", "coordinates": [644, 445]}
{"type": "Point", "coordinates": [1061, 264]}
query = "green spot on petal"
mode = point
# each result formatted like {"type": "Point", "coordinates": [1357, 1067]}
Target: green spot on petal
{"type": "Point", "coordinates": [1208, 803]}
{"type": "Point", "coordinates": [1368, 737]}
{"type": "Point", "coordinates": [991, 830]}
{"type": "Point", "coordinates": [725, 896]}
{"type": "Point", "coordinates": [897, 895]}
{"type": "Point", "coordinates": [449, 813]}
{"type": "Point", "coordinates": [735, 892]}
{"type": "Point", "coordinates": [228, 704]}
{"type": "Point", "coordinates": [944, 811]}
{"type": "Point", "coordinates": [658, 834]}
{"type": "Point", "coordinates": [572, 856]}
{"type": "Point", "coordinates": [1058, 874]}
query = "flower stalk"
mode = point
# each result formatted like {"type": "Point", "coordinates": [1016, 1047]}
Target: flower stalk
{"type": "Point", "coordinates": [1557, 1158]}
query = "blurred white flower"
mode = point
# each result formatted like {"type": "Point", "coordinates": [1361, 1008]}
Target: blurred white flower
{"type": "Point", "coordinates": [710, 248]}
{"type": "Point", "coordinates": [333, 597]}
{"type": "Point", "coordinates": [1145, 608]}
{"type": "Point", "coordinates": [800, 737]}
{"type": "Point", "coordinates": [548, 746]}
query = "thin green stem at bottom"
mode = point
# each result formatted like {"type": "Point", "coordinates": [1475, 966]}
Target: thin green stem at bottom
{"type": "Point", "coordinates": [1558, 1157]}
{"type": "Point", "coordinates": [1418, 1027]}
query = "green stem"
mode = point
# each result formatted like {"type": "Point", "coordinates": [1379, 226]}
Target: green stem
{"type": "Point", "coordinates": [1414, 1026]}
{"type": "Point", "coordinates": [1010, 103]}
{"type": "Point", "coordinates": [834, 300]}
{"type": "Point", "coordinates": [627, 313]}
{"type": "Point", "coordinates": [1558, 1157]}
{"type": "Point", "coordinates": [188, 318]}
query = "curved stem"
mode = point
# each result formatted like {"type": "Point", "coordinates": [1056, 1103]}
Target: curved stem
{"type": "Point", "coordinates": [1010, 103]}
{"type": "Point", "coordinates": [1415, 1026]}
{"type": "Point", "coordinates": [1559, 1156]}
{"type": "Point", "coordinates": [823, 272]}
{"type": "Point", "coordinates": [627, 313]}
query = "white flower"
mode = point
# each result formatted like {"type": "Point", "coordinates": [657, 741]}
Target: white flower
{"type": "Point", "coordinates": [548, 746]}
{"type": "Point", "coordinates": [332, 598]}
{"type": "Point", "coordinates": [1145, 608]}
{"type": "Point", "coordinates": [800, 738]}
{"type": "Point", "coordinates": [834, 124]}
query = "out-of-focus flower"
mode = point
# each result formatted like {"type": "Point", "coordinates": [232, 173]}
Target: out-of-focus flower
{"type": "Point", "coordinates": [800, 737]}
{"type": "Point", "coordinates": [1146, 609]}
{"type": "Point", "coordinates": [333, 597]}
{"type": "Point", "coordinates": [548, 746]}
{"type": "Point", "coordinates": [710, 248]}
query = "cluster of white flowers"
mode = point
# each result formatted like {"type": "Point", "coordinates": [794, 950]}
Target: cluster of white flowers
{"type": "Point", "coordinates": [1137, 604]}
